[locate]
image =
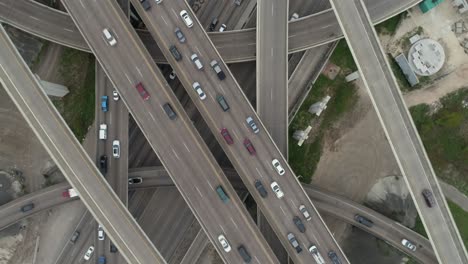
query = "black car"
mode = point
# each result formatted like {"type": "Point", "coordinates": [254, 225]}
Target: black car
{"type": "Point", "coordinates": [297, 221]}
{"type": "Point", "coordinates": [333, 257]}
{"type": "Point", "coordinates": [145, 3]}
{"type": "Point", "coordinates": [113, 249]}
{"type": "Point", "coordinates": [175, 52]}
{"type": "Point", "coordinates": [213, 24]}
{"type": "Point", "coordinates": [362, 220]}
{"type": "Point", "coordinates": [135, 180]}
{"type": "Point", "coordinates": [103, 164]}
{"type": "Point", "coordinates": [428, 197]}
{"type": "Point", "coordinates": [261, 190]}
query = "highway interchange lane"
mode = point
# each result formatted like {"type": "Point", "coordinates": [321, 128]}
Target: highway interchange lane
{"type": "Point", "coordinates": [400, 130]}
{"type": "Point", "coordinates": [235, 46]}
{"type": "Point", "coordinates": [174, 141]}
{"type": "Point", "coordinates": [67, 153]}
{"type": "Point", "coordinates": [250, 167]}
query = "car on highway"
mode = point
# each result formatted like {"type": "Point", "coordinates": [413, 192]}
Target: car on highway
{"type": "Point", "coordinates": [103, 164]}
{"type": "Point", "coordinates": [196, 61]}
{"type": "Point", "coordinates": [244, 254]}
{"type": "Point", "coordinates": [187, 20]}
{"type": "Point", "coordinates": [175, 53]}
{"type": "Point", "coordinates": [408, 244]}
{"type": "Point", "coordinates": [145, 4]}
{"type": "Point", "coordinates": [249, 146]}
{"type": "Point", "coordinates": [316, 254]}
{"type": "Point", "coordinates": [222, 27]}
{"type": "Point", "coordinates": [428, 197]}
{"type": "Point", "coordinates": [334, 257]}
{"type": "Point", "coordinates": [214, 64]}
{"type": "Point", "coordinates": [224, 243]}
{"type": "Point", "coordinates": [304, 212]}
{"type": "Point", "coordinates": [75, 237]}
{"type": "Point", "coordinates": [27, 207]}
{"type": "Point", "coordinates": [169, 111]}
{"type": "Point", "coordinates": [222, 194]}
{"type": "Point", "coordinates": [223, 103]}
{"type": "Point", "coordinates": [116, 149]}
{"type": "Point", "coordinates": [252, 124]}
{"type": "Point", "coordinates": [89, 253]}
{"type": "Point", "coordinates": [109, 37]}
{"type": "Point", "coordinates": [115, 95]}
{"type": "Point", "coordinates": [101, 234]}
{"type": "Point", "coordinates": [294, 16]}
{"type": "Point", "coordinates": [158, 1]}
{"type": "Point", "coordinates": [180, 36]}
{"type": "Point", "coordinates": [237, 2]}
{"type": "Point", "coordinates": [172, 75]}
{"type": "Point", "coordinates": [260, 188]}
{"type": "Point", "coordinates": [103, 131]}
{"type": "Point", "coordinates": [113, 248]}
{"type": "Point", "coordinates": [276, 189]}
{"type": "Point", "coordinates": [142, 91]}
{"type": "Point", "coordinates": [102, 260]}
{"type": "Point", "coordinates": [213, 24]}
{"type": "Point", "coordinates": [135, 180]}
{"type": "Point", "coordinates": [297, 221]}
{"type": "Point", "coordinates": [227, 136]}
{"type": "Point", "coordinates": [196, 86]}
{"type": "Point", "coordinates": [277, 166]}
{"type": "Point", "coordinates": [292, 239]}
{"type": "Point", "coordinates": [363, 220]}
{"type": "Point", "coordinates": [104, 103]}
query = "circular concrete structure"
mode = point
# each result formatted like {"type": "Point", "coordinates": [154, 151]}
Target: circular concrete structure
{"type": "Point", "coordinates": [426, 57]}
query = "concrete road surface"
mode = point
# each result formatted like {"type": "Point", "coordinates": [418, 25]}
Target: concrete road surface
{"type": "Point", "coordinates": [174, 141]}
{"type": "Point", "coordinates": [70, 157]}
{"type": "Point", "coordinates": [400, 130]}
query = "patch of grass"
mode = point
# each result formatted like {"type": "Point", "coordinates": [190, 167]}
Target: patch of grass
{"type": "Point", "coordinates": [419, 227]}
{"type": "Point", "coordinates": [342, 57]}
{"type": "Point", "coordinates": [77, 70]}
{"type": "Point", "coordinates": [304, 159]}
{"type": "Point", "coordinates": [460, 216]}
{"type": "Point", "coordinates": [390, 25]}
{"type": "Point", "coordinates": [445, 137]}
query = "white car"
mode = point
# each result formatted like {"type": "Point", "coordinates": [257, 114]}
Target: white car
{"type": "Point", "coordinates": [109, 37]}
{"type": "Point", "coordinates": [304, 212]}
{"type": "Point", "coordinates": [101, 234]}
{"type": "Point", "coordinates": [224, 243]}
{"type": "Point", "coordinates": [115, 95]}
{"type": "Point", "coordinates": [276, 189]}
{"type": "Point", "coordinates": [277, 166]}
{"type": "Point", "coordinates": [116, 149]}
{"type": "Point", "coordinates": [158, 1]}
{"type": "Point", "coordinates": [222, 28]}
{"type": "Point", "coordinates": [89, 253]}
{"type": "Point", "coordinates": [172, 75]}
{"type": "Point", "coordinates": [199, 90]}
{"type": "Point", "coordinates": [408, 244]}
{"type": "Point", "coordinates": [294, 17]}
{"type": "Point", "coordinates": [185, 16]}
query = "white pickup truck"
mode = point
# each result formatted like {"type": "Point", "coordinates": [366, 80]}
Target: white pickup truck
{"type": "Point", "coordinates": [70, 193]}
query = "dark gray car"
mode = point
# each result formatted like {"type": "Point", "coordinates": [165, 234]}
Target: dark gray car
{"type": "Point", "coordinates": [297, 221]}
{"type": "Point", "coordinates": [292, 239]}
{"type": "Point", "coordinates": [169, 111]}
{"type": "Point", "coordinates": [244, 254]}
{"type": "Point", "coordinates": [362, 220]}
{"type": "Point", "coordinates": [27, 207]}
{"type": "Point", "coordinates": [180, 36]}
{"type": "Point", "coordinates": [333, 257]}
{"type": "Point", "coordinates": [175, 53]}
{"type": "Point", "coordinates": [261, 190]}
{"type": "Point", "coordinates": [145, 3]}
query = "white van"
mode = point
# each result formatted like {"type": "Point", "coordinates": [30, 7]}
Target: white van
{"type": "Point", "coordinates": [103, 131]}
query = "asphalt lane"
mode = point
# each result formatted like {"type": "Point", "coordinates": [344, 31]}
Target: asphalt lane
{"type": "Point", "coordinates": [400, 130]}
{"type": "Point", "coordinates": [174, 141]}
{"type": "Point", "coordinates": [279, 212]}
{"type": "Point", "coordinates": [235, 46]}
{"type": "Point", "coordinates": [70, 157]}
{"type": "Point", "coordinates": [272, 69]}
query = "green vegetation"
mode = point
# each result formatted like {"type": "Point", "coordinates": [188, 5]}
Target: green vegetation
{"type": "Point", "coordinates": [390, 25]}
{"type": "Point", "coordinates": [304, 159]}
{"type": "Point", "coordinates": [343, 58]}
{"type": "Point", "coordinates": [77, 71]}
{"type": "Point", "coordinates": [445, 137]}
{"type": "Point", "coordinates": [459, 215]}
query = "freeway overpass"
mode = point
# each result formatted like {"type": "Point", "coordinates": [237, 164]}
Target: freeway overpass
{"type": "Point", "coordinates": [399, 128]}
{"type": "Point", "coordinates": [329, 203]}
{"type": "Point", "coordinates": [234, 46]}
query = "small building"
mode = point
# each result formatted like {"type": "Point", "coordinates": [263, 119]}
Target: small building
{"type": "Point", "coordinates": [462, 5]}
{"type": "Point", "coordinates": [318, 107]}
{"type": "Point", "coordinates": [406, 69]}
{"type": "Point", "coordinates": [426, 57]}
{"type": "Point", "coordinates": [427, 5]}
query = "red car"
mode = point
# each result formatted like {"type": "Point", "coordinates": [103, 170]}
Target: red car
{"type": "Point", "coordinates": [144, 94]}
{"type": "Point", "coordinates": [248, 145]}
{"type": "Point", "coordinates": [227, 136]}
